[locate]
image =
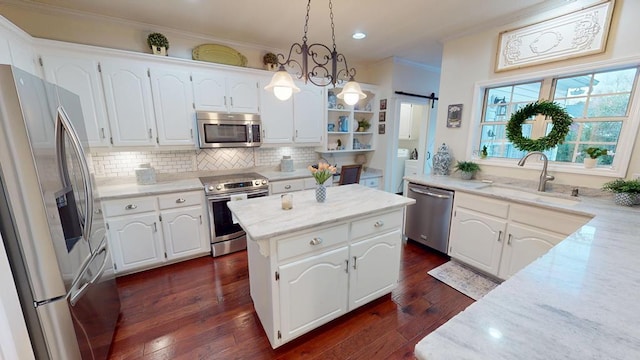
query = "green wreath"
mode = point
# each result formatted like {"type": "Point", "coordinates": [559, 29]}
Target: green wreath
{"type": "Point", "coordinates": [560, 119]}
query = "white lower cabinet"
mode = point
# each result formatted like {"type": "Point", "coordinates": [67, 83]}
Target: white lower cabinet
{"type": "Point", "coordinates": [303, 280]}
{"type": "Point", "coordinates": [375, 265]}
{"type": "Point", "coordinates": [500, 237]}
{"type": "Point", "coordinates": [313, 291]}
{"type": "Point", "coordinates": [523, 245]}
{"type": "Point", "coordinates": [476, 239]}
{"type": "Point", "coordinates": [151, 231]}
{"type": "Point", "coordinates": [136, 242]}
{"type": "Point", "coordinates": [184, 232]}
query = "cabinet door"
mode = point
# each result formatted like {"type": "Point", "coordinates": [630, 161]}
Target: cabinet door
{"type": "Point", "coordinates": [276, 116]}
{"type": "Point", "coordinates": [127, 92]}
{"type": "Point", "coordinates": [81, 77]}
{"type": "Point", "coordinates": [243, 94]}
{"type": "Point", "coordinates": [313, 291]}
{"type": "Point", "coordinates": [476, 239]}
{"type": "Point", "coordinates": [406, 124]}
{"type": "Point", "coordinates": [184, 232]}
{"type": "Point", "coordinates": [375, 267]}
{"type": "Point", "coordinates": [524, 245]}
{"type": "Point", "coordinates": [308, 114]}
{"type": "Point", "coordinates": [209, 91]}
{"type": "Point", "coordinates": [173, 104]}
{"type": "Point", "coordinates": [136, 241]}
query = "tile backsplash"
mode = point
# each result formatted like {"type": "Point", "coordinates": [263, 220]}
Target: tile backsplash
{"type": "Point", "coordinates": [115, 164]}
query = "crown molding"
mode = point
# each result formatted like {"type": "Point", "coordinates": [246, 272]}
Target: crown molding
{"type": "Point", "coordinates": [48, 9]}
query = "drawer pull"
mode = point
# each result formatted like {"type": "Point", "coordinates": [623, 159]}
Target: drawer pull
{"type": "Point", "coordinates": [346, 269]}
{"type": "Point", "coordinates": [499, 235]}
{"type": "Point", "coordinates": [287, 187]}
{"type": "Point", "coordinates": [315, 241]}
{"type": "Point", "coordinates": [379, 223]}
{"type": "Point", "coordinates": [509, 241]}
{"type": "Point", "coordinates": [131, 207]}
{"type": "Point", "coordinates": [155, 227]}
{"type": "Point", "coordinates": [180, 201]}
{"type": "Point", "coordinates": [355, 259]}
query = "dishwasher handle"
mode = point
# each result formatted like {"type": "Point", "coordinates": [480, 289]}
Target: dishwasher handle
{"type": "Point", "coordinates": [428, 193]}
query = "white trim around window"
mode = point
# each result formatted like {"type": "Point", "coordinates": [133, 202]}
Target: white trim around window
{"type": "Point", "coordinates": [627, 138]}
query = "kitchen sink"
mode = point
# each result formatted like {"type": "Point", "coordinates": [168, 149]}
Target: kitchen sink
{"type": "Point", "coordinates": [541, 197]}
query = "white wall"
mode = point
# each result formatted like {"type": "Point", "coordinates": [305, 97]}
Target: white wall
{"type": "Point", "coordinates": [471, 59]}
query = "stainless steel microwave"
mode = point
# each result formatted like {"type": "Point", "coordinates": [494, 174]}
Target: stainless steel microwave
{"type": "Point", "coordinates": [223, 130]}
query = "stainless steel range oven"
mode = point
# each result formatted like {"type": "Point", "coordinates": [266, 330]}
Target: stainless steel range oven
{"type": "Point", "coordinates": [226, 236]}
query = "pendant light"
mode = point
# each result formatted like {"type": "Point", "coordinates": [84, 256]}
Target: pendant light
{"type": "Point", "coordinates": [317, 71]}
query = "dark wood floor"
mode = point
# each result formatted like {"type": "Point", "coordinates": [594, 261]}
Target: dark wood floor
{"type": "Point", "coordinates": [201, 309]}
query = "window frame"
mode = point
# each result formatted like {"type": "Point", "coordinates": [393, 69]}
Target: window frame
{"type": "Point", "coordinates": [626, 140]}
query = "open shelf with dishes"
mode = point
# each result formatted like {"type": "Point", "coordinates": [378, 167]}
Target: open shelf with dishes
{"type": "Point", "coordinates": [350, 128]}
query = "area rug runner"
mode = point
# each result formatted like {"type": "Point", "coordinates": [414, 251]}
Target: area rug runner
{"type": "Point", "coordinates": [463, 279]}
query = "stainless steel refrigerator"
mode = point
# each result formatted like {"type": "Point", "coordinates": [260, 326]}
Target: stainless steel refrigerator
{"type": "Point", "coordinates": [51, 222]}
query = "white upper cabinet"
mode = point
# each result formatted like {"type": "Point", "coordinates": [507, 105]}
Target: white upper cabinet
{"type": "Point", "coordinates": [298, 120]}
{"type": "Point", "coordinates": [173, 104]}
{"type": "Point", "coordinates": [308, 114]}
{"type": "Point", "coordinates": [127, 92]}
{"type": "Point", "coordinates": [223, 92]}
{"type": "Point", "coordinates": [80, 75]}
{"type": "Point", "coordinates": [277, 117]}
{"type": "Point", "coordinates": [243, 94]}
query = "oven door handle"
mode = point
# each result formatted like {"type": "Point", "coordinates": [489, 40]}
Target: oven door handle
{"type": "Point", "coordinates": [227, 197]}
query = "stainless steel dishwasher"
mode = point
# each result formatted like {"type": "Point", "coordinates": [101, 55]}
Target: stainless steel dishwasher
{"type": "Point", "coordinates": [428, 220]}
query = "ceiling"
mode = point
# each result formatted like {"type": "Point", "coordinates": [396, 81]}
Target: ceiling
{"type": "Point", "coordinates": [409, 29]}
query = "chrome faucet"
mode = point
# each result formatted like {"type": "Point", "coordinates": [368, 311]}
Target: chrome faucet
{"type": "Point", "coordinates": [544, 177]}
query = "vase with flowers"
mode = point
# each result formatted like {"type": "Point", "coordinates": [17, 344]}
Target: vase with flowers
{"type": "Point", "coordinates": [321, 173]}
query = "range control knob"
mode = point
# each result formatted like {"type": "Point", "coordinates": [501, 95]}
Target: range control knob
{"type": "Point", "coordinates": [219, 187]}
{"type": "Point", "coordinates": [210, 188]}
{"type": "Point", "coordinates": [257, 182]}
{"type": "Point", "coordinates": [264, 182]}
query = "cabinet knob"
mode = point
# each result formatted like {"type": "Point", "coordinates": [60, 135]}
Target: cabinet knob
{"type": "Point", "coordinates": [131, 207]}
{"type": "Point", "coordinates": [379, 223]}
{"type": "Point", "coordinates": [315, 241]}
{"type": "Point", "coordinates": [287, 187]}
{"type": "Point", "coordinates": [509, 240]}
{"type": "Point", "coordinates": [180, 201]}
{"type": "Point", "coordinates": [499, 235]}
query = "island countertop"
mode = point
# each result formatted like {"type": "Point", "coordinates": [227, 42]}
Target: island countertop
{"type": "Point", "coordinates": [578, 301]}
{"type": "Point", "coordinates": [263, 217]}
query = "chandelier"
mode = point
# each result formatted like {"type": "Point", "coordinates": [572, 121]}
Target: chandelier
{"type": "Point", "coordinates": [318, 64]}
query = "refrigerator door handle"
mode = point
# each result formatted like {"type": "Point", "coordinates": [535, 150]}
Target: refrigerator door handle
{"type": "Point", "coordinates": [75, 296]}
{"type": "Point", "coordinates": [64, 125]}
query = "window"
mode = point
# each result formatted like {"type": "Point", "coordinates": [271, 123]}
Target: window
{"type": "Point", "coordinates": [599, 103]}
{"type": "Point", "coordinates": [500, 104]}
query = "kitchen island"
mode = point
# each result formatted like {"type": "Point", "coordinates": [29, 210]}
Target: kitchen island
{"type": "Point", "coordinates": [578, 301]}
{"type": "Point", "coordinates": [318, 261]}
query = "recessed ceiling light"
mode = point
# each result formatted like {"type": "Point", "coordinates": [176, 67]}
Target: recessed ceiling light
{"type": "Point", "coordinates": [359, 35]}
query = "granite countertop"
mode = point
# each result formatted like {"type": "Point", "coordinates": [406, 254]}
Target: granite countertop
{"type": "Point", "coordinates": [263, 218]}
{"type": "Point", "coordinates": [127, 188]}
{"type": "Point", "coordinates": [124, 187]}
{"type": "Point", "coordinates": [578, 301]}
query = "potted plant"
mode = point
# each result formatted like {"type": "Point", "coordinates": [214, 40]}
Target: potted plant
{"type": "Point", "coordinates": [467, 169]}
{"type": "Point", "coordinates": [625, 192]}
{"type": "Point", "coordinates": [594, 153]}
{"type": "Point", "coordinates": [363, 125]}
{"type": "Point", "coordinates": [270, 61]}
{"type": "Point", "coordinates": [484, 153]}
{"type": "Point", "coordinates": [158, 43]}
